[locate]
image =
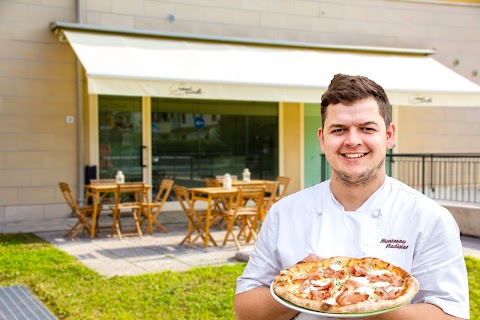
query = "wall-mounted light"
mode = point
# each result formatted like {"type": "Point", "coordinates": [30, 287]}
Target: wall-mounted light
{"type": "Point", "coordinates": [171, 18]}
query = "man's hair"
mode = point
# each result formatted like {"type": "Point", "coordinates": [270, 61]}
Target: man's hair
{"type": "Point", "coordinates": [347, 90]}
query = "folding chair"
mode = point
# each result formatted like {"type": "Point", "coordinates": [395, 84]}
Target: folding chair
{"type": "Point", "coordinates": [137, 196]}
{"type": "Point", "coordinates": [283, 183]}
{"type": "Point", "coordinates": [246, 213]}
{"type": "Point", "coordinates": [151, 211]}
{"type": "Point", "coordinates": [196, 219]}
{"type": "Point", "coordinates": [82, 213]}
{"type": "Point", "coordinates": [271, 189]}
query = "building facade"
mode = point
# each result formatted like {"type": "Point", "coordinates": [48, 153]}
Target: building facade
{"type": "Point", "coordinates": [91, 87]}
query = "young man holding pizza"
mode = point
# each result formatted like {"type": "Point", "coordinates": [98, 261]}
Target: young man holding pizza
{"type": "Point", "coordinates": [360, 212]}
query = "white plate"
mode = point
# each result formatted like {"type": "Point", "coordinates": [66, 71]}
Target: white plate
{"type": "Point", "coordinates": [327, 315]}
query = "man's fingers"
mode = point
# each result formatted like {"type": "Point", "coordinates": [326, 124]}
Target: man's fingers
{"type": "Point", "coordinates": [312, 257]}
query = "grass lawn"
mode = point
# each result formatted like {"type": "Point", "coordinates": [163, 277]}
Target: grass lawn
{"type": "Point", "coordinates": [72, 291]}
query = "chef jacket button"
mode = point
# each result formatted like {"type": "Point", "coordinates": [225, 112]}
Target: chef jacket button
{"type": "Point", "coordinates": [319, 213]}
{"type": "Point", "coordinates": [376, 213]}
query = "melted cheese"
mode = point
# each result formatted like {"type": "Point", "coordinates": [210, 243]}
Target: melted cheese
{"type": "Point", "coordinates": [366, 290]}
{"type": "Point", "coordinates": [363, 280]}
{"type": "Point", "coordinates": [319, 283]}
{"type": "Point", "coordinates": [381, 284]}
{"type": "Point", "coordinates": [378, 272]}
{"type": "Point", "coordinates": [335, 267]}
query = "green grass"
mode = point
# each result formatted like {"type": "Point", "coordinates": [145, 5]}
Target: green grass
{"type": "Point", "coordinates": [72, 291]}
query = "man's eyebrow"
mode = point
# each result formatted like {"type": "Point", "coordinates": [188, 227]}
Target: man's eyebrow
{"type": "Point", "coordinates": [364, 124]}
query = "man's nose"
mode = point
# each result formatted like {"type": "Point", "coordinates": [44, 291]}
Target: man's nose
{"type": "Point", "coordinates": [353, 138]}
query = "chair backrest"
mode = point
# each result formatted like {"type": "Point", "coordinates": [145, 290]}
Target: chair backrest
{"type": "Point", "coordinates": [271, 188]}
{"type": "Point", "coordinates": [165, 188]}
{"type": "Point", "coordinates": [184, 200]}
{"type": "Point", "coordinates": [211, 182]}
{"type": "Point", "coordinates": [69, 198]}
{"type": "Point", "coordinates": [250, 198]}
{"type": "Point", "coordinates": [135, 192]}
{"type": "Point", "coordinates": [282, 186]}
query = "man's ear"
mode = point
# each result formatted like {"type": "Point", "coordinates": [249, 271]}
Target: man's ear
{"type": "Point", "coordinates": [320, 138]}
{"type": "Point", "coordinates": [391, 136]}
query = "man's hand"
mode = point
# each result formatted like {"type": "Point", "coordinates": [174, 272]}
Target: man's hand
{"type": "Point", "coordinates": [312, 257]}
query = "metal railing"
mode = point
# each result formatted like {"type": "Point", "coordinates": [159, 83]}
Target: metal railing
{"type": "Point", "coordinates": [447, 177]}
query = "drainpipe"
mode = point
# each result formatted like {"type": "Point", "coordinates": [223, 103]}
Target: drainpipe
{"type": "Point", "coordinates": [80, 146]}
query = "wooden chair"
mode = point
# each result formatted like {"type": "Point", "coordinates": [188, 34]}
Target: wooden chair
{"type": "Point", "coordinates": [271, 189]}
{"type": "Point", "coordinates": [82, 213]}
{"type": "Point", "coordinates": [246, 213]}
{"type": "Point", "coordinates": [212, 182]}
{"type": "Point", "coordinates": [196, 218]}
{"type": "Point", "coordinates": [137, 196]}
{"type": "Point", "coordinates": [283, 183]}
{"type": "Point", "coordinates": [152, 210]}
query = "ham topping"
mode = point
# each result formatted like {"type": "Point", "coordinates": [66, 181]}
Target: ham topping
{"type": "Point", "coordinates": [358, 271]}
{"type": "Point", "coordinates": [345, 298]}
{"type": "Point", "coordinates": [329, 273]}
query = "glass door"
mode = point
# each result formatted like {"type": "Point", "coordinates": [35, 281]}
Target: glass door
{"type": "Point", "coordinates": [120, 137]}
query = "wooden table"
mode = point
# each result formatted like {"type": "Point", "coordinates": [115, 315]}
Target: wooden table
{"type": "Point", "coordinates": [97, 192]}
{"type": "Point", "coordinates": [209, 194]}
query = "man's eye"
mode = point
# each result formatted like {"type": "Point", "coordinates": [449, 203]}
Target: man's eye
{"type": "Point", "coordinates": [368, 129]}
{"type": "Point", "coordinates": [338, 130]}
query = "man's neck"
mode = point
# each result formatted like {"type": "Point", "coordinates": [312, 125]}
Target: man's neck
{"type": "Point", "coordinates": [353, 197]}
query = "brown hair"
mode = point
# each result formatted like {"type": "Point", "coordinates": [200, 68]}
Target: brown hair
{"type": "Point", "coordinates": [349, 89]}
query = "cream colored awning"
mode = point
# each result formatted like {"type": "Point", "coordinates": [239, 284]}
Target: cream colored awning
{"type": "Point", "coordinates": [119, 64]}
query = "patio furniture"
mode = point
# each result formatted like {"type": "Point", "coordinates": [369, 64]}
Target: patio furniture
{"type": "Point", "coordinates": [283, 183]}
{"type": "Point", "coordinates": [136, 195]}
{"type": "Point", "coordinates": [152, 211]}
{"type": "Point", "coordinates": [197, 219]}
{"type": "Point", "coordinates": [271, 189]}
{"type": "Point", "coordinates": [82, 213]}
{"type": "Point", "coordinates": [245, 214]}
{"type": "Point", "coordinates": [209, 195]}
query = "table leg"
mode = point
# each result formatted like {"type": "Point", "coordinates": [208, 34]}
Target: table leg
{"type": "Point", "coordinates": [207, 222]}
{"type": "Point", "coordinates": [94, 215]}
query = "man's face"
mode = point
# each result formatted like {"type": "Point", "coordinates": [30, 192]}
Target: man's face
{"type": "Point", "coordinates": [354, 140]}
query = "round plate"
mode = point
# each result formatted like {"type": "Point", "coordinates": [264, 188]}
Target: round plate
{"type": "Point", "coordinates": [327, 315]}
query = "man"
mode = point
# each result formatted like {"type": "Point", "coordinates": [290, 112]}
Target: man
{"type": "Point", "coordinates": [358, 213]}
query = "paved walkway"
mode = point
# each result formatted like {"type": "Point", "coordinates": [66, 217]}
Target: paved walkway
{"type": "Point", "coordinates": [154, 253]}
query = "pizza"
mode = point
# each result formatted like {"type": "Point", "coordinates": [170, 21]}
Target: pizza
{"type": "Point", "coordinates": [345, 285]}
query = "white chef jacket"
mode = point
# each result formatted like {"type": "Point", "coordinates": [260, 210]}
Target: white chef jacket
{"type": "Point", "coordinates": [396, 224]}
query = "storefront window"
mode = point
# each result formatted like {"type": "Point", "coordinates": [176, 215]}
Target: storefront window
{"type": "Point", "coordinates": [195, 139]}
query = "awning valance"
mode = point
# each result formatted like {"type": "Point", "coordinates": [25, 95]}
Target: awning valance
{"type": "Point", "coordinates": [120, 64]}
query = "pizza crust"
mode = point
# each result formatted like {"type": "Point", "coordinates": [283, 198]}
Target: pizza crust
{"type": "Point", "coordinates": [283, 285]}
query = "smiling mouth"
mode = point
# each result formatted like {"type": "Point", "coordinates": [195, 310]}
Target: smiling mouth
{"type": "Point", "coordinates": [354, 155]}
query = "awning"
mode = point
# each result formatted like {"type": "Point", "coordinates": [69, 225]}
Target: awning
{"type": "Point", "coordinates": [120, 64]}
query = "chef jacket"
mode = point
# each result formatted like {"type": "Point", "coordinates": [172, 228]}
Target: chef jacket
{"type": "Point", "coordinates": [397, 224]}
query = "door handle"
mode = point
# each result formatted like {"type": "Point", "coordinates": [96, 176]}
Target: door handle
{"type": "Point", "coordinates": [142, 148]}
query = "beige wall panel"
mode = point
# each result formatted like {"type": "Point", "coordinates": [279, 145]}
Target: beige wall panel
{"type": "Point", "coordinates": [438, 130]}
{"type": "Point", "coordinates": [128, 7]}
{"type": "Point", "coordinates": [24, 160]}
{"type": "Point", "coordinates": [150, 23]}
{"type": "Point", "coordinates": [38, 195]}
{"type": "Point", "coordinates": [97, 6]}
{"type": "Point", "coordinates": [246, 18]}
{"type": "Point", "coordinates": [7, 86]}
{"type": "Point", "coordinates": [7, 142]}
{"type": "Point", "coordinates": [52, 211]}
{"type": "Point", "coordinates": [219, 15]}
{"type": "Point", "coordinates": [159, 10]}
{"type": "Point", "coordinates": [116, 20]}
{"type": "Point", "coordinates": [8, 196]}
{"type": "Point", "coordinates": [15, 178]}
{"type": "Point", "coordinates": [49, 177]}
{"type": "Point", "coordinates": [19, 213]}
{"type": "Point", "coordinates": [291, 156]}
